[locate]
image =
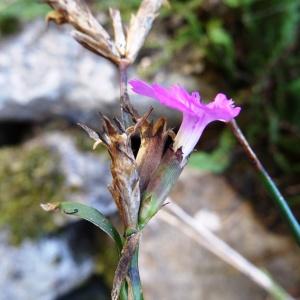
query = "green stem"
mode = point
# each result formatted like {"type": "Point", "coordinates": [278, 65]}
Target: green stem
{"type": "Point", "coordinates": [268, 182]}
{"type": "Point", "coordinates": [124, 292]}
{"type": "Point", "coordinates": [278, 293]}
{"type": "Point", "coordinates": [134, 276]}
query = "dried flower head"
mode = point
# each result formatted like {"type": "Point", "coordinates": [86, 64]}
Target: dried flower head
{"type": "Point", "coordinates": [92, 35]}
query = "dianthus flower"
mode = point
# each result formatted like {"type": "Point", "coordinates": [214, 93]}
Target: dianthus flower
{"type": "Point", "coordinates": [196, 114]}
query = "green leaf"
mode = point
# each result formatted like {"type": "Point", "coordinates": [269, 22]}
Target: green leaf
{"type": "Point", "coordinates": [94, 216]}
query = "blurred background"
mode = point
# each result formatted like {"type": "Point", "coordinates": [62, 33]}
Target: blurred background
{"type": "Point", "coordinates": [248, 49]}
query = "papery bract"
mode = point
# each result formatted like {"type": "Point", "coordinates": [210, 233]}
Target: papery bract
{"type": "Point", "coordinates": [196, 114]}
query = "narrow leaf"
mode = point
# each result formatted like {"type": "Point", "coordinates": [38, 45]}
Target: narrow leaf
{"type": "Point", "coordinates": [92, 215]}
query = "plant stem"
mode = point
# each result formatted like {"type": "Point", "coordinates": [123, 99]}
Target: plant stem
{"type": "Point", "coordinates": [134, 276]}
{"type": "Point", "coordinates": [177, 217]}
{"type": "Point", "coordinates": [268, 182]}
{"type": "Point", "coordinates": [124, 98]}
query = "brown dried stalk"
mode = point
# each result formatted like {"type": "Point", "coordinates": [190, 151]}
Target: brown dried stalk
{"type": "Point", "coordinates": [88, 30]}
{"type": "Point", "coordinates": [140, 25]}
{"type": "Point", "coordinates": [120, 39]}
{"type": "Point", "coordinates": [122, 51]}
{"type": "Point", "coordinates": [125, 184]}
{"type": "Point", "coordinates": [90, 33]}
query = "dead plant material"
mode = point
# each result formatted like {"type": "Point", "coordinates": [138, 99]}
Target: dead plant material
{"type": "Point", "coordinates": [125, 178]}
{"type": "Point", "coordinates": [129, 248]}
{"type": "Point", "coordinates": [92, 35]}
{"type": "Point", "coordinates": [88, 31]}
{"type": "Point", "coordinates": [153, 139]}
{"type": "Point", "coordinates": [140, 25]}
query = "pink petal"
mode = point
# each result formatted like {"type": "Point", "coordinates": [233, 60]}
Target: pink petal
{"type": "Point", "coordinates": [196, 115]}
{"type": "Point", "coordinates": [176, 97]}
{"type": "Point", "coordinates": [142, 88]}
{"type": "Point", "coordinates": [222, 109]}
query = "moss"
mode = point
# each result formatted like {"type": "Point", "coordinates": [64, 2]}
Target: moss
{"type": "Point", "coordinates": [28, 177]}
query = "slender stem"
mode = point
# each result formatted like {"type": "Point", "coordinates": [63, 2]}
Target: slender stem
{"type": "Point", "coordinates": [134, 288]}
{"type": "Point", "coordinates": [177, 217]}
{"type": "Point", "coordinates": [134, 276]}
{"type": "Point", "coordinates": [124, 98]}
{"type": "Point", "coordinates": [268, 182]}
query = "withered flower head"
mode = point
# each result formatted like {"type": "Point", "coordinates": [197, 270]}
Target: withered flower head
{"type": "Point", "coordinates": [125, 178]}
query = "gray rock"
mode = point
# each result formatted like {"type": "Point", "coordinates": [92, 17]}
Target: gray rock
{"type": "Point", "coordinates": [40, 270]}
{"type": "Point", "coordinates": [45, 73]}
{"type": "Point", "coordinates": [50, 267]}
{"type": "Point", "coordinates": [86, 173]}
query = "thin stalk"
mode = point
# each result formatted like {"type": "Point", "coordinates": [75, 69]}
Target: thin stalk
{"type": "Point", "coordinates": [124, 98]}
{"type": "Point", "coordinates": [268, 182]}
{"type": "Point", "coordinates": [176, 216]}
{"type": "Point", "coordinates": [133, 288]}
{"type": "Point", "coordinates": [134, 277]}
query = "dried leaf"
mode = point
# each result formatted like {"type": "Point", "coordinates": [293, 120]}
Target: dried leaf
{"type": "Point", "coordinates": [120, 40]}
{"type": "Point", "coordinates": [49, 206]}
{"type": "Point", "coordinates": [56, 17]}
{"type": "Point", "coordinates": [153, 140]}
{"type": "Point", "coordinates": [88, 30]}
{"type": "Point", "coordinates": [125, 184]}
{"type": "Point", "coordinates": [97, 47]}
{"type": "Point", "coordinates": [92, 134]}
{"type": "Point", "coordinates": [140, 25]}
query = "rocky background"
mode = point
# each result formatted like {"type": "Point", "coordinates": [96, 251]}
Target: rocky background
{"type": "Point", "coordinates": [48, 83]}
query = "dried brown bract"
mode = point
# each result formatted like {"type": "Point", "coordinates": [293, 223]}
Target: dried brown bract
{"type": "Point", "coordinates": [153, 138]}
{"type": "Point", "coordinates": [90, 33]}
{"type": "Point", "coordinates": [129, 248]}
{"type": "Point", "coordinates": [140, 25]}
{"type": "Point", "coordinates": [125, 178]}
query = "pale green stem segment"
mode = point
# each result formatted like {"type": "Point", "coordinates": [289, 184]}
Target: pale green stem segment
{"type": "Point", "coordinates": [268, 182]}
{"type": "Point", "coordinates": [124, 292]}
{"type": "Point", "coordinates": [134, 276]}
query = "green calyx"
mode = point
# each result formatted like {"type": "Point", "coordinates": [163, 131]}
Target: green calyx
{"type": "Point", "coordinates": [160, 185]}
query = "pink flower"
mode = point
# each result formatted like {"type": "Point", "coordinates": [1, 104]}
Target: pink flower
{"type": "Point", "coordinates": [196, 114]}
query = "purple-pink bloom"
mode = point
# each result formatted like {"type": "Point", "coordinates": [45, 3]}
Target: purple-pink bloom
{"type": "Point", "coordinates": [196, 114]}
